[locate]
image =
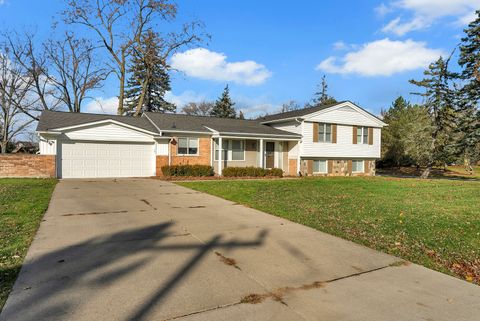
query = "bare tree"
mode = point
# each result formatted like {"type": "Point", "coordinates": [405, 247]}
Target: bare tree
{"type": "Point", "coordinates": [30, 56]}
{"type": "Point", "coordinates": [73, 72]}
{"type": "Point", "coordinates": [14, 91]}
{"type": "Point", "coordinates": [289, 106]}
{"type": "Point", "coordinates": [203, 108]}
{"type": "Point", "coordinates": [119, 25]}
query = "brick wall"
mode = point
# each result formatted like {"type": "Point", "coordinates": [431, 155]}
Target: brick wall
{"type": "Point", "coordinates": [292, 167]}
{"type": "Point", "coordinates": [27, 165]}
{"type": "Point", "coordinates": [160, 161]}
{"type": "Point", "coordinates": [203, 157]}
{"type": "Point", "coordinates": [341, 167]}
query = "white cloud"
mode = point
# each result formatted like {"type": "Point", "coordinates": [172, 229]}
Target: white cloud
{"type": "Point", "coordinates": [426, 12]}
{"type": "Point", "coordinates": [184, 98]}
{"type": "Point", "coordinates": [205, 64]}
{"type": "Point", "coordinates": [102, 105]}
{"type": "Point", "coordinates": [382, 58]}
{"type": "Point", "coordinates": [383, 9]}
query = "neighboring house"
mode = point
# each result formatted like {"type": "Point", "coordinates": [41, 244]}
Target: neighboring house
{"type": "Point", "coordinates": [339, 139]}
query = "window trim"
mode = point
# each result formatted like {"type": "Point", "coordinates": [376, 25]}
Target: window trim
{"type": "Point", "coordinates": [363, 165]}
{"type": "Point", "coordinates": [361, 131]}
{"type": "Point", "coordinates": [188, 146]}
{"type": "Point", "coordinates": [229, 150]}
{"type": "Point", "coordinates": [324, 135]}
{"type": "Point", "coordinates": [326, 166]}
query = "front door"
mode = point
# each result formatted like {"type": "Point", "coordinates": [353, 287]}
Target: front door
{"type": "Point", "coordinates": [270, 155]}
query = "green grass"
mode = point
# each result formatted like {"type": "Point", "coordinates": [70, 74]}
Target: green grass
{"type": "Point", "coordinates": [22, 205]}
{"type": "Point", "coordinates": [435, 223]}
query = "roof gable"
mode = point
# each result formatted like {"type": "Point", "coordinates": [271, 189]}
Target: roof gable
{"type": "Point", "coordinates": [345, 113]}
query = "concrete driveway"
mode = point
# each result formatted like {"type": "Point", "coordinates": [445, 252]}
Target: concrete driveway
{"type": "Point", "coordinates": [144, 249]}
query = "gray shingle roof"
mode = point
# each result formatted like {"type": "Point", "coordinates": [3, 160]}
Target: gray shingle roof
{"type": "Point", "coordinates": [51, 120]}
{"type": "Point", "coordinates": [296, 113]}
{"type": "Point", "coordinates": [179, 122]}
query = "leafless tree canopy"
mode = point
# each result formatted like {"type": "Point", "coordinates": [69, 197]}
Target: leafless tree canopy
{"type": "Point", "coordinates": [203, 108]}
{"type": "Point", "coordinates": [14, 97]}
{"type": "Point", "coordinates": [120, 24]}
{"type": "Point", "coordinates": [73, 70]}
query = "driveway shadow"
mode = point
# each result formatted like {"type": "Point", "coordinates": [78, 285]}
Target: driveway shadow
{"type": "Point", "coordinates": [39, 293]}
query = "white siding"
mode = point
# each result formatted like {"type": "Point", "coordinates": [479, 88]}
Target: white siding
{"type": "Point", "coordinates": [293, 150]}
{"type": "Point", "coordinates": [108, 132]}
{"type": "Point", "coordinates": [291, 126]}
{"type": "Point", "coordinates": [344, 148]}
{"type": "Point", "coordinates": [162, 148]}
{"type": "Point", "coordinates": [48, 145]}
{"type": "Point", "coordinates": [344, 115]}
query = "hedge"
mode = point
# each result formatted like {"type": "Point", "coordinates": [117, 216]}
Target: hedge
{"type": "Point", "coordinates": [187, 170]}
{"type": "Point", "coordinates": [251, 172]}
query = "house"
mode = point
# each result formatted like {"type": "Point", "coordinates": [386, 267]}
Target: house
{"type": "Point", "coordinates": [337, 139]}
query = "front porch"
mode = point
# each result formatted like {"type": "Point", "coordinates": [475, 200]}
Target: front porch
{"type": "Point", "coordinates": [264, 152]}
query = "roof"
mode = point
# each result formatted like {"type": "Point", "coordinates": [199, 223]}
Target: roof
{"type": "Point", "coordinates": [305, 111]}
{"type": "Point", "coordinates": [180, 122]}
{"type": "Point", "coordinates": [297, 112]}
{"type": "Point", "coordinates": [51, 120]}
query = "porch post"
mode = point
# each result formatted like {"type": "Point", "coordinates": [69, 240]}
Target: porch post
{"type": "Point", "coordinates": [261, 153]}
{"type": "Point", "coordinates": [220, 153]}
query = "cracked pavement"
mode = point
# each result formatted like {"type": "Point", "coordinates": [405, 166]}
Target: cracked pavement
{"type": "Point", "coordinates": [145, 249]}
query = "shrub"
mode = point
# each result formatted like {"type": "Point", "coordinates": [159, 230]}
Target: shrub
{"type": "Point", "coordinates": [187, 170]}
{"type": "Point", "coordinates": [251, 172]}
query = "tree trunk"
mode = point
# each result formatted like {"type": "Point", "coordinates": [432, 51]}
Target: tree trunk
{"type": "Point", "coordinates": [427, 171]}
{"type": "Point", "coordinates": [3, 147]}
{"type": "Point", "coordinates": [121, 94]}
{"type": "Point", "coordinates": [142, 98]}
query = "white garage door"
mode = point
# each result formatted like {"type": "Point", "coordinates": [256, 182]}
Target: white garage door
{"type": "Point", "coordinates": [90, 160]}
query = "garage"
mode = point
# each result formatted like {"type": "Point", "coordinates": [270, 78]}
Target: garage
{"type": "Point", "coordinates": [80, 159]}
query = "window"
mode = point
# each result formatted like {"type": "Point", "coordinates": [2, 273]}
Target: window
{"type": "Point", "coordinates": [362, 135]}
{"type": "Point", "coordinates": [357, 166]}
{"type": "Point", "coordinates": [325, 133]}
{"type": "Point", "coordinates": [233, 150]}
{"type": "Point", "coordinates": [187, 146]}
{"type": "Point", "coordinates": [319, 166]}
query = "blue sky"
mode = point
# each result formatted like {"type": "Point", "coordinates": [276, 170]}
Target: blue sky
{"type": "Point", "coordinates": [270, 52]}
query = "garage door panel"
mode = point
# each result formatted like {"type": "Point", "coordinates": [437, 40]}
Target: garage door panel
{"type": "Point", "coordinates": [89, 160]}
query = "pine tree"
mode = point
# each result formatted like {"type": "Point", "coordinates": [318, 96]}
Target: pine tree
{"type": "Point", "coordinates": [439, 104]}
{"type": "Point", "coordinates": [321, 97]}
{"type": "Point", "coordinates": [149, 78]}
{"type": "Point", "coordinates": [469, 97]}
{"type": "Point", "coordinates": [241, 115]}
{"type": "Point", "coordinates": [224, 106]}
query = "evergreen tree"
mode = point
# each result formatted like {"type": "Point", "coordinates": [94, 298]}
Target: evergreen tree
{"type": "Point", "coordinates": [241, 115]}
{"type": "Point", "coordinates": [321, 97]}
{"type": "Point", "coordinates": [224, 106]}
{"type": "Point", "coordinates": [439, 104]}
{"type": "Point", "coordinates": [149, 78]}
{"type": "Point", "coordinates": [468, 145]}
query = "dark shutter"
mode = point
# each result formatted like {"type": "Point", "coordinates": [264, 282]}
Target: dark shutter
{"type": "Point", "coordinates": [354, 134]}
{"type": "Point", "coordinates": [370, 136]}
{"type": "Point", "coordinates": [334, 133]}
{"type": "Point", "coordinates": [315, 132]}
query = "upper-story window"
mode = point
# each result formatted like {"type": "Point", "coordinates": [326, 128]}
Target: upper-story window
{"type": "Point", "coordinates": [362, 135]}
{"type": "Point", "coordinates": [187, 146]}
{"type": "Point", "coordinates": [325, 133]}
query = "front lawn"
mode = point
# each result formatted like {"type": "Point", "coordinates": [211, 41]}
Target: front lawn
{"type": "Point", "coordinates": [22, 205]}
{"type": "Point", "coordinates": [435, 223]}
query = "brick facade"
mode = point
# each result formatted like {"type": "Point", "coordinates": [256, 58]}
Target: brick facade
{"type": "Point", "coordinates": [338, 167]}
{"type": "Point", "coordinates": [203, 157]}
{"type": "Point", "coordinates": [27, 165]}
{"type": "Point", "coordinates": [292, 167]}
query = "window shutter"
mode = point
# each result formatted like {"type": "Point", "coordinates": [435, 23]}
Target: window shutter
{"type": "Point", "coordinates": [354, 134]}
{"type": "Point", "coordinates": [330, 166]}
{"type": "Point", "coordinates": [310, 167]}
{"type": "Point", "coordinates": [349, 167]}
{"type": "Point", "coordinates": [370, 135]}
{"type": "Point", "coordinates": [334, 133]}
{"type": "Point", "coordinates": [315, 132]}
{"type": "Point", "coordinates": [367, 166]}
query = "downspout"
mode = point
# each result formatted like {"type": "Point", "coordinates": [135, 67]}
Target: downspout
{"type": "Point", "coordinates": [169, 152]}
{"type": "Point", "coordinates": [299, 146]}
